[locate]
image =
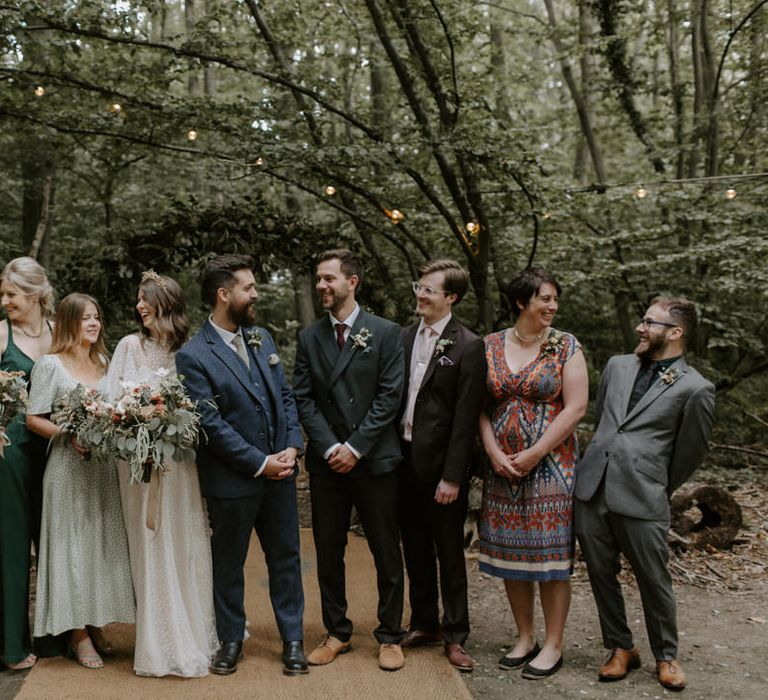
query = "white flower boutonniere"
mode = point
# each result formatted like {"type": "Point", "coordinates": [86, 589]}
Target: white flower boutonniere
{"type": "Point", "coordinates": [442, 345]}
{"type": "Point", "coordinates": [253, 338]}
{"type": "Point", "coordinates": [360, 340]}
{"type": "Point", "coordinates": [273, 359]}
{"type": "Point", "coordinates": [554, 343]}
{"type": "Point", "coordinates": [670, 376]}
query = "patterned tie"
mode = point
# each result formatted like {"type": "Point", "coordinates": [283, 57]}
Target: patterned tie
{"type": "Point", "coordinates": [237, 342]}
{"type": "Point", "coordinates": [340, 328]}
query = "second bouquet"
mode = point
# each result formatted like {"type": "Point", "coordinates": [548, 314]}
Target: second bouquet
{"type": "Point", "coordinates": [151, 425]}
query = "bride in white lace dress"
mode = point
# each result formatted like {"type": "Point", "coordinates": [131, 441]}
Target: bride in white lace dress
{"type": "Point", "coordinates": [166, 521]}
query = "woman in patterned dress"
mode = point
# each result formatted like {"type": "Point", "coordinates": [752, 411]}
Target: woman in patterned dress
{"type": "Point", "coordinates": [538, 391]}
{"type": "Point", "coordinates": [167, 525]}
{"type": "Point", "coordinates": [83, 574]}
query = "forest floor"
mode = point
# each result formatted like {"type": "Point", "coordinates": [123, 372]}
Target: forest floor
{"type": "Point", "coordinates": [722, 601]}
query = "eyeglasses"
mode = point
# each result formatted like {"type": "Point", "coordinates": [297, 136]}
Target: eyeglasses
{"type": "Point", "coordinates": [648, 322]}
{"type": "Point", "coordinates": [427, 290]}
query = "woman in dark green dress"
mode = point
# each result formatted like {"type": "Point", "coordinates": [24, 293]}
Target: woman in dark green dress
{"type": "Point", "coordinates": [25, 335]}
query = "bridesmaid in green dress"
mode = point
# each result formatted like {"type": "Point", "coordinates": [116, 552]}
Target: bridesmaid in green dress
{"type": "Point", "coordinates": [25, 335]}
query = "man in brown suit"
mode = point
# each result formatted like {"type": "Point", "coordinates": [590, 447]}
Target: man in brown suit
{"type": "Point", "coordinates": [445, 386]}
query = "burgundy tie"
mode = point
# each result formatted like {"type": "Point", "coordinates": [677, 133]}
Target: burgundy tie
{"type": "Point", "coordinates": [340, 328]}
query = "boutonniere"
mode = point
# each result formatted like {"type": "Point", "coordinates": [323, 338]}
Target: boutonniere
{"type": "Point", "coordinates": [360, 340]}
{"type": "Point", "coordinates": [441, 346]}
{"type": "Point", "coordinates": [273, 359]}
{"type": "Point", "coordinates": [554, 343]}
{"type": "Point", "coordinates": [253, 338]}
{"type": "Point", "coordinates": [670, 376]}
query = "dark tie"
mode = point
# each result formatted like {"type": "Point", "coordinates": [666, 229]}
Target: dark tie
{"type": "Point", "coordinates": [340, 328]}
{"type": "Point", "coordinates": [645, 377]}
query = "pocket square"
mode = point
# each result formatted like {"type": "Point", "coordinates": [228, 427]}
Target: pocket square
{"type": "Point", "coordinates": [273, 359]}
{"type": "Point", "coordinates": [444, 361]}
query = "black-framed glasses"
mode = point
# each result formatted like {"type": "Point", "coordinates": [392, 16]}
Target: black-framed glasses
{"type": "Point", "coordinates": [648, 322]}
{"type": "Point", "coordinates": [427, 290]}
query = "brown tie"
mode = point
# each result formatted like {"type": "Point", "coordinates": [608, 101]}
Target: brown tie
{"type": "Point", "coordinates": [340, 328]}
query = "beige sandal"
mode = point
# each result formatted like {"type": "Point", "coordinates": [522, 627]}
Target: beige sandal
{"type": "Point", "coordinates": [85, 659]}
{"type": "Point", "coordinates": [24, 664]}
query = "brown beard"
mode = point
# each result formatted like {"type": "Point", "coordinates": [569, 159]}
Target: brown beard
{"type": "Point", "coordinates": [244, 316]}
{"type": "Point", "coordinates": [655, 345]}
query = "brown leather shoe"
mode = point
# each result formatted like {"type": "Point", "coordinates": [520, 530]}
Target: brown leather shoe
{"type": "Point", "coordinates": [459, 658]}
{"type": "Point", "coordinates": [391, 657]}
{"type": "Point", "coordinates": [671, 674]}
{"type": "Point", "coordinates": [418, 638]}
{"type": "Point", "coordinates": [619, 664]}
{"type": "Point", "coordinates": [328, 649]}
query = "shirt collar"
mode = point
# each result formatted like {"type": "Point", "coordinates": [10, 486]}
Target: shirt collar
{"type": "Point", "coordinates": [226, 336]}
{"type": "Point", "coordinates": [349, 321]}
{"type": "Point", "coordinates": [437, 327]}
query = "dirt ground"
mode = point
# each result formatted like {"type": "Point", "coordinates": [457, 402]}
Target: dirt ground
{"type": "Point", "coordinates": [722, 617]}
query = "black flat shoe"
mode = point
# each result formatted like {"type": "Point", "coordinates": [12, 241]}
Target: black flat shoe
{"type": "Point", "coordinates": [507, 663]}
{"type": "Point", "coordinates": [225, 661]}
{"type": "Point", "coordinates": [536, 674]}
{"type": "Point", "coordinates": [294, 661]}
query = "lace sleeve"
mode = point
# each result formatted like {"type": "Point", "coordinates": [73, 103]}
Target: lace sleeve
{"type": "Point", "coordinates": [125, 366]}
{"type": "Point", "coordinates": [42, 386]}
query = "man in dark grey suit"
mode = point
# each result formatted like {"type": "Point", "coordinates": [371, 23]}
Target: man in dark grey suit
{"type": "Point", "coordinates": [348, 382]}
{"type": "Point", "coordinates": [654, 416]}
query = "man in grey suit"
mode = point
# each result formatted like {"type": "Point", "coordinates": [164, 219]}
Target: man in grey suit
{"type": "Point", "coordinates": [348, 381]}
{"type": "Point", "coordinates": [654, 416]}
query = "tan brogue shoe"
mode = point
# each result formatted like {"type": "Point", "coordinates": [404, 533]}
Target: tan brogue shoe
{"type": "Point", "coordinates": [418, 638]}
{"type": "Point", "coordinates": [459, 658]}
{"type": "Point", "coordinates": [671, 674]}
{"type": "Point", "coordinates": [328, 649]}
{"type": "Point", "coordinates": [391, 657]}
{"type": "Point", "coordinates": [619, 664]}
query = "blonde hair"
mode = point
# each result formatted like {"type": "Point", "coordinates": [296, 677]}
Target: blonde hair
{"type": "Point", "coordinates": [68, 327]}
{"type": "Point", "coordinates": [29, 276]}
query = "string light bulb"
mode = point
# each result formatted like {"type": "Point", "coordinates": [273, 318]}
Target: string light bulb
{"type": "Point", "coordinates": [39, 91]}
{"type": "Point", "coordinates": [191, 135]}
{"type": "Point", "coordinates": [472, 227]}
{"type": "Point", "coordinates": [546, 215]}
{"type": "Point", "coordinates": [330, 190]}
{"type": "Point", "coordinates": [730, 193]}
{"type": "Point", "coordinates": [641, 192]}
{"type": "Point", "coordinates": [395, 216]}
{"type": "Point", "coordinates": [115, 107]}
{"type": "Point", "coordinates": [259, 161]}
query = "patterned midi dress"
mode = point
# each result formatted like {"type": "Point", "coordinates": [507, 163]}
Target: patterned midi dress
{"type": "Point", "coordinates": [526, 527]}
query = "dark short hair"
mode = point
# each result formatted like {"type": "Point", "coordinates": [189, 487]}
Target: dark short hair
{"type": "Point", "coordinates": [351, 263]}
{"type": "Point", "coordinates": [526, 285]}
{"type": "Point", "coordinates": [456, 278]}
{"type": "Point", "coordinates": [220, 272]}
{"type": "Point", "coordinates": [682, 311]}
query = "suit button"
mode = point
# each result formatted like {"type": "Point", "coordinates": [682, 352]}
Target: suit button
{"type": "Point", "coordinates": [354, 426]}
{"type": "Point", "coordinates": [621, 430]}
{"type": "Point", "coordinates": [352, 400]}
{"type": "Point", "coordinates": [261, 436]}
{"type": "Point", "coordinates": [258, 409]}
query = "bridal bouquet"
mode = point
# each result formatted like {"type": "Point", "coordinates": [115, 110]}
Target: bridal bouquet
{"type": "Point", "coordinates": [13, 400]}
{"type": "Point", "coordinates": [83, 413]}
{"type": "Point", "coordinates": [153, 424]}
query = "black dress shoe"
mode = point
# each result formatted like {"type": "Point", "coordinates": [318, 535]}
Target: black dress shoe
{"type": "Point", "coordinates": [226, 658]}
{"type": "Point", "coordinates": [294, 661]}
{"type": "Point", "coordinates": [536, 674]}
{"type": "Point", "coordinates": [507, 663]}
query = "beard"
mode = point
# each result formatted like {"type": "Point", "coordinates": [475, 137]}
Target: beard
{"type": "Point", "coordinates": [333, 301]}
{"type": "Point", "coordinates": [652, 345]}
{"type": "Point", "coordinates": [243, 315]}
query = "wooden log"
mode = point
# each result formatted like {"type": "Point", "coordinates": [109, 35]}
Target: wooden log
{"type": "Point", "coordinates": [704, 516]}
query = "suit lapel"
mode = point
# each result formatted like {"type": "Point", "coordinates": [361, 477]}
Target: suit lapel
{"type": "Point", "coordinates": [229, 358]}
{"type": "Point", "coordinates": [349, 349]}
{"type": "Point", "coordinates": [449, 333]}
{"type": "Point", "coordinates": [655, 390]}
{"type": "Point", "coordinates": [630, 373]}
{"type": "Point", "coordinates": [409, 339]}
{"type": "Point", "coordinates": [326, 339]}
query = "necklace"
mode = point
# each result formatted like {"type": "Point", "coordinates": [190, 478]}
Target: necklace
{"type": "Point", "coordinates": [31, 335]}
{"type": "Point", "coordinates": [527, 340]}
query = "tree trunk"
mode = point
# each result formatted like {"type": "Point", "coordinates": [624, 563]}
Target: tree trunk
{"type": "Point", "coordinates": [705, 516]}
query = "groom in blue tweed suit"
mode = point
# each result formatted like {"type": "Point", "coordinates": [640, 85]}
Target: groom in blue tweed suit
{"type": "Point", "coordinates": [246, 458]}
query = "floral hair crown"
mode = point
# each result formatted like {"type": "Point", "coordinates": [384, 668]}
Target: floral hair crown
{"type": "Point", "coordinates": [154, 277]}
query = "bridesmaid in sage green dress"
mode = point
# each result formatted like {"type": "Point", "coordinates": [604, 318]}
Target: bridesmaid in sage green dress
{"type": "Point", "coordinates": [25, 335]}
{"type": "Point", "coordinates": [83, 572]}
